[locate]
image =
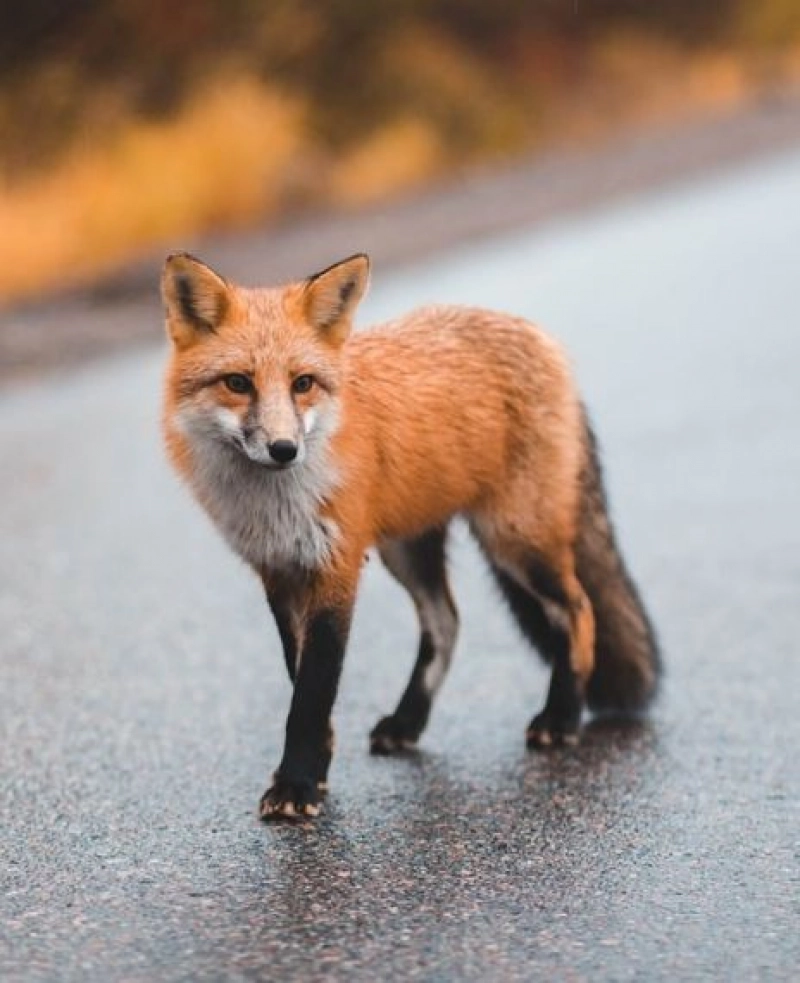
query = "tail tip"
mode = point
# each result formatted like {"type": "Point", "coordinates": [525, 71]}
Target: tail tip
{"type": "Point", "coordinates": [625, 687]}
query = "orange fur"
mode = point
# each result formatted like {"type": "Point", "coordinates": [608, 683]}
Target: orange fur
{"type": "Point", "coordinates": [446, 411]}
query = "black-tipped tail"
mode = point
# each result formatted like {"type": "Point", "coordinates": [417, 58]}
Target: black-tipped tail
{"type": "Point", "coordinates": [627, 660]}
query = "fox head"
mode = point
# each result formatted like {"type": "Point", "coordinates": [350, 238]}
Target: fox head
{"type": "Point", "coordinates": [258, 370]}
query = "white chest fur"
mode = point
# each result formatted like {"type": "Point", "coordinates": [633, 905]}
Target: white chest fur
{"type": "Point", "coordinates": [270, 518]}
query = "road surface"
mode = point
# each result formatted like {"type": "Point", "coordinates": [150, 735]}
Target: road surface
{"type": "Point", "coordinates": [143, 696]}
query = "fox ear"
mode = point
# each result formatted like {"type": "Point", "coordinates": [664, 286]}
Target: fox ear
{"type": "Point", "coordinates": [331, 296]}
{"type": "Point", "coordinates": [195, 297]}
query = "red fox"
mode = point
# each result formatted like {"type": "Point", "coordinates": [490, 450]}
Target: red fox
{"type": "Point", "coordinates": [307, 445]}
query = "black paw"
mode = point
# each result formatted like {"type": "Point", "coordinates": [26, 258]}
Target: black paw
{"type": "Point", "coordinates": [392, 734]}
{"type": "Point", "coordinates": [290, 799]}
{"type": "Point", "coordinates": [546, 731]}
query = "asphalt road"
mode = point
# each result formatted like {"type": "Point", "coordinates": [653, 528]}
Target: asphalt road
{"type": "Point", "coordinates": [143, 695]}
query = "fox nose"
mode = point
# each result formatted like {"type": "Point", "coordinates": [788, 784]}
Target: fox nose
{"type": "Point", "coordinates": [283, 451]}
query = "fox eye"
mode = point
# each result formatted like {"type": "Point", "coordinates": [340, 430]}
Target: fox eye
{"type": "Point", "coordinates": [239, 383]}
{"type": "Point", "coordinates": [302, 383]}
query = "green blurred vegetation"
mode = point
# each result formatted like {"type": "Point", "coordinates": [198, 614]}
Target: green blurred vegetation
{"type": "Point", "coordinates": [131, 108]}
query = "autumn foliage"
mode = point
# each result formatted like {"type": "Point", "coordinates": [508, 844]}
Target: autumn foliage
{"type": "Point", "coordinates": [129, 123]}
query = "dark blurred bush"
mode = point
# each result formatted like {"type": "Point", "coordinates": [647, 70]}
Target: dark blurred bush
{"type": "Point", "coordinates": [59, 57]}
{"type": "Point", "coordinates": [124, 123]}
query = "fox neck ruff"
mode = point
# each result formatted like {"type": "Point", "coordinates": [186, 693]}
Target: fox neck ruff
{"type": "Point", "coordinates": [270, 517]}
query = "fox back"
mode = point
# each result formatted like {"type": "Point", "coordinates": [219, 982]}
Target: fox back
{"type": "Point", "coordinates": [307, 445]}
{"type": "Point", "coordinates": [286, 427]}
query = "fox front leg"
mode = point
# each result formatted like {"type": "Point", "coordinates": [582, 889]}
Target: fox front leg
{"type": "Point", "coordinates": [285, 599]}
{"type": "Point", "coordinates": [297, 784]}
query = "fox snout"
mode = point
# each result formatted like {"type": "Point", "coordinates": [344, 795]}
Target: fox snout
{"type": "Point", "coordinates": [272, 431]}
{"type": "Point", "coordinates": [268, 448]}
{"type": "Point", "coordinates": [283, 451]}
{"type": "Point", "coordinates": [256, 371]}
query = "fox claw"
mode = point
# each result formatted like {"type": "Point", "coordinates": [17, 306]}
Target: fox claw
{"type": "Point", "coordinates": [289, 800]}
{"type": "Point", "coordinates": [543, 733]}
{"type": "Point", "coordinates": [390, 735]}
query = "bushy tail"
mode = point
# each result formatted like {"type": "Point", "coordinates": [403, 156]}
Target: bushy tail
{"type": "Point", "coordinates": [627, 660]}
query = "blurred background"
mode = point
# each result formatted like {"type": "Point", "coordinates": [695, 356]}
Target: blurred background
{"type": "Point", "coordinates": [627, 173]}
{"type": "Point", "coordinates": [128, 124]}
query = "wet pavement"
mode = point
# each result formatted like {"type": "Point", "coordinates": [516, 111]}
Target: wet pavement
{"type": "Point", "coordinates": [143, 699]}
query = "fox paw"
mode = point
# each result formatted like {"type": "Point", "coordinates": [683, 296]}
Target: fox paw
{"type": "Point", "coordinates": [392, 734]}
{"type": "Point", "coordinates": [545, 732]}
{"type": "Point", "coordinates": [292, 800]}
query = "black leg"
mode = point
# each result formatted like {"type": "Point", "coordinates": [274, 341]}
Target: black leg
{"type": "Point", "coordinates": [529, 614]}
{"type": "Point", "coordinates": [419, 565]}
{"type": "Point", "coordinates": [403, 727]}
{"type": "Point", "coordinates": [283, 599]}
{"type": "Point", "coordinates": [543, 611]}
{"type": "Point", "coordinates": [283, 621]}
{"type": "Point", "coordinates": [307, 752]}
{"type": "Point", "coordinates": [559, 721]}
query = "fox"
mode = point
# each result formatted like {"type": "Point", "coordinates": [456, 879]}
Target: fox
{"type": "Point", "coordinates": [308, 444]}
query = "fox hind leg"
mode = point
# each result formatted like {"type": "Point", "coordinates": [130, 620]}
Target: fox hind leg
{"type": "Point", "coordinates": [554, 613]}
{"type": "Point", "coordinates": [419, 565]}
{"type": "Point", "coordinates": [572, 654]}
